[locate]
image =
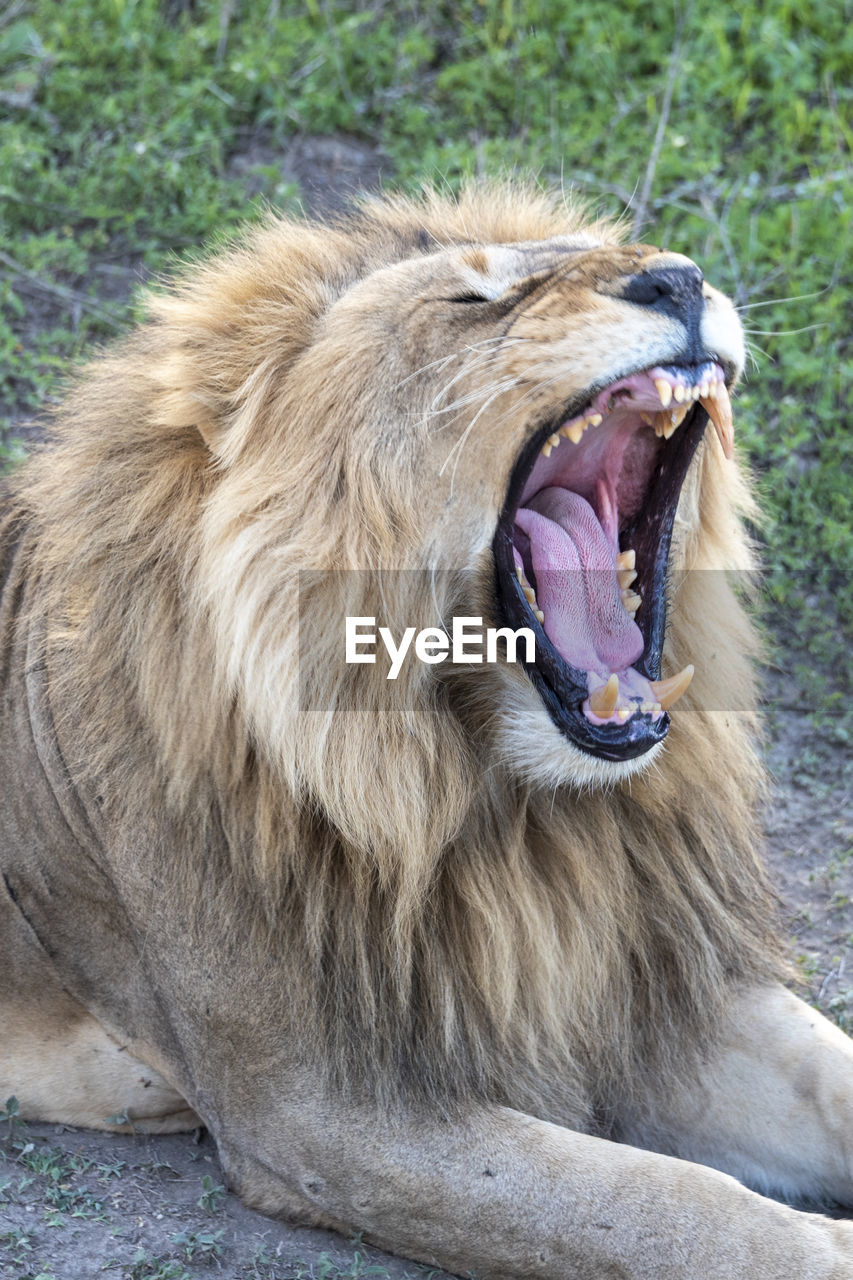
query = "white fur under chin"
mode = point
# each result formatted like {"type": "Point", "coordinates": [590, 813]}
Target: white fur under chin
{"type": "Point", "coordinates": [532, 747]}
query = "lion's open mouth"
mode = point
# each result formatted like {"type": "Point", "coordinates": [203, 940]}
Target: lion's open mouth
{"type": "Point", "coordinates": [582, 548]}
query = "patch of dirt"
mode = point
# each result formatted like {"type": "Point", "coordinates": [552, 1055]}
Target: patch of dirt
{"type": "Point", "coordinates": [329, 171]}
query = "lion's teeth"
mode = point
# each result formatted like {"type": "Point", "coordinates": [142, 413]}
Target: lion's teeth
{"type": "Point", "coordinates": [624, 712]}
{"type": "Point", "coordinates": [554, 439]}
{"type": "Point", "coordinates": [712, 390]}
{"type": "Point", "coordinates": [627, 559]}
{"type": "Point", "coordinates": [626, 576]}
{"type": "Point", "coordinates": [603, 700]}
{"type": "Point", "coordinates": [680, 394]}
{"type": "Point", "coordinates": [594, 419]}
{"type": "Point", "coordinates": [529, 593]}
{"type": "Point", "coordinates": [664, 390]}
{"type": "Point", "coordinates": [575, 432]}
{"type": "Point", "coordinates": [719, 410]}
{"type": "Point", "coordinates": [647, 418]}
{"type": "Point", "coordinates": [646, 707]}
{"type": "Point", "coordinates": [540, 617]}
{"type": "Point", "coordinates": [546, 449]}
{"type": "Point", "coordinates": [631, 600]}
{"type": "Point", "coordinates": [669, 691]}
{"type": "Point", "coordinates": [705, 388]}
{"type": "Point", "coordinates": [695, 392]}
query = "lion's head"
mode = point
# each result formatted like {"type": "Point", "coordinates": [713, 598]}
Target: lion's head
{"type": "Point", "coordinates": [493, 395]}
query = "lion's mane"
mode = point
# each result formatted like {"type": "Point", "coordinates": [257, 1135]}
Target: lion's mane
{"type": "Point", "coordinates": [445, 925]}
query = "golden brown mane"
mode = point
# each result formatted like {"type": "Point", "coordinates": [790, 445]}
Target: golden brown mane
{"type": "Point", "coordinates": [448, 924]}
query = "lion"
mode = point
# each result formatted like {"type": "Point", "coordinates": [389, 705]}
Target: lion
{"type": "Point", "coordinates": [479, 961]}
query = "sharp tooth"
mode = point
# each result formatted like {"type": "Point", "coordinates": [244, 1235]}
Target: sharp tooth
{"type": "Point", "coordinates": [719, 410]}
{"type": "Point", "coordinates": [627, 559]}
{"type": "Point", "coordinates": [575, 432]}
{"type": "Point", "coordinates": [593, 419]}
{"type": "Point", "coordinates": [664, 390]}
{"type": "Point", "coordinates": [540, 616]}
{"type": "Point", "coordinates": [546, 449]}
{"type": "Point", "coordinates": [626, 576]}
{"type": "Point", "coordinates": [554, 439]}
{"type": "Point", "coordinates": [602, 701]}
{"type": "Point", "coordinates": [647, 418]}
{"type": "Point", "coordinates": [676, 417]}
{"type": "Point", "coordinates": [669, 691]}
{"type": "Point", "coordinates": [529, 594]}
{"type": "Point", "coordinates": [680, 394]}
{"type": "Point", "coordinates": [661, 423]}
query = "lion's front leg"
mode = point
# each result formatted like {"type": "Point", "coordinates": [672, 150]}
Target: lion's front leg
{"type": "Point", "coordinates": [503, 1195]}
{"type": "Point", "coordinates": [773, 1106]}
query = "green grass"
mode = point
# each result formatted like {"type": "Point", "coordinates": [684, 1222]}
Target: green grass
{"type": "Point", "coordinates": [724, 133]}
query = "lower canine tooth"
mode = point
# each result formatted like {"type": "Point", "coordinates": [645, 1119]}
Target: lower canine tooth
{"type": "Point", "coordinates": [669, 691]}
{"type": "Point", "coordinates": [602, 701]}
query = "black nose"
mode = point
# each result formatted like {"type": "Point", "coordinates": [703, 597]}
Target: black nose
{"type": "Point", "coordinates": [673, 291]}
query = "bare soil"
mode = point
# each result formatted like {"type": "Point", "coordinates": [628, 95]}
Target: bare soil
{"type": "Point", "coordinates": [76, 1204]}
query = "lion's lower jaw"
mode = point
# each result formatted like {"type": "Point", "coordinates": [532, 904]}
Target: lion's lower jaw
{"type": "Point", "coordinates": [532, 748]}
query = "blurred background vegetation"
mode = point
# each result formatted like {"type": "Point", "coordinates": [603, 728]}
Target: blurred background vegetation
{"type": "Point", "coordinates": [135, 129]}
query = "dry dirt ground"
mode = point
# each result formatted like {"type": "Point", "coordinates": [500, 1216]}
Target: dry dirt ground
{"type": "Point", "coordinates": [76, 1204]}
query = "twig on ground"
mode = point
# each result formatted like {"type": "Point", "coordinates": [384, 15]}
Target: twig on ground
{"type": "Point", "coordinates": [63, 291]}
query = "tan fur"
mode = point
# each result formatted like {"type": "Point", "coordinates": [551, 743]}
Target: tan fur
{"type": "Point", "coordinates": [441, 903]}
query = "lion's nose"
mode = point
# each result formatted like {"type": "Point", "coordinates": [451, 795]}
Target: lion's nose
{"type": "Point", "coordinates": [673, 291]}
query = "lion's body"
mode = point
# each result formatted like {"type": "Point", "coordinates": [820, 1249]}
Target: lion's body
{"type": "Point", "coordinates": [272, 890]}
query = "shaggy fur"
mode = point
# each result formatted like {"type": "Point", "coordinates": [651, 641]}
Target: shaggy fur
{"type": "Point", "coordinates": [448, 921]}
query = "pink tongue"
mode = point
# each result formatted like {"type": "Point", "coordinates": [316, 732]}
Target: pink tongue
{"type": "Point", "coordinates": [576, 586]}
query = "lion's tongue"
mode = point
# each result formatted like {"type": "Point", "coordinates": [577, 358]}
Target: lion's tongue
{"type": "Point", "coordinates": [576, 585]}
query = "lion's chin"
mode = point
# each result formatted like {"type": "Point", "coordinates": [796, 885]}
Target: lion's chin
{"type": "Point", "coordinates": [534, 750]}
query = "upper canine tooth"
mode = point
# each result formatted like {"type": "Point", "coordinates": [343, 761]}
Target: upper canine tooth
{"type": "Point", "coordinates": [664, 390]}
{"type": "Point", "coordinates": [602, 701]}
{"type": "Point", "coordinates": [719, 410]}
{"type": "Point", "coordinates": [669, 691]}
